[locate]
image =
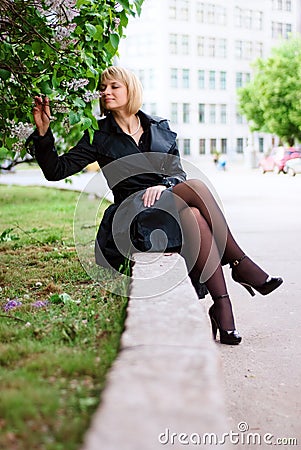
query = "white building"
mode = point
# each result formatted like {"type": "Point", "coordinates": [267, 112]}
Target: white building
{"type": "Point", "coordinates": [191, 57]}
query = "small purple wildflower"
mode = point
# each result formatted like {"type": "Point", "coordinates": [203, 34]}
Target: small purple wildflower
{"type": "Point", "coordinates": [40, 304]}
{"type": "Point", "coordinates": [11, 304]}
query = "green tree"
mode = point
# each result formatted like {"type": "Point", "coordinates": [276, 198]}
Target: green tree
{"type": "Point", "coordinates": [271, 101]}
{"type": "Point", "coordinates": [56, 48]}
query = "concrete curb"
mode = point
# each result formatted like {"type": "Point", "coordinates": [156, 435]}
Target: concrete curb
{"type": "Point", "coordinates": [166, 377]}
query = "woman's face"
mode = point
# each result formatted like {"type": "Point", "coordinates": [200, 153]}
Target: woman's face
{"type": "Point", "coordinates": [114, 96]}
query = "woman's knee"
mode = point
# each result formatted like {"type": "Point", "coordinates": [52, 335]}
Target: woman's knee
{"type": "Point", "coordinates": [196, 184]}
{"type": "Point", "coordinates": [194, 214]}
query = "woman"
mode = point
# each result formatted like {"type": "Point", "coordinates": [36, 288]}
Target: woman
{"type": "Point", "coordinates": [140, 159]}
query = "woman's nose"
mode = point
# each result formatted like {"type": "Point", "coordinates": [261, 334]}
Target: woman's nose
{"type": "Point", "coordinates": [107, 90]}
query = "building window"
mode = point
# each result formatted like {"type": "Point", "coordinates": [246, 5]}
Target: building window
{"type": "Point", "coordinates": [141, 76]}
{"type": "Point", "coordinates": [185, 78]}
{"type": "Point", "coordinates": [212, 146]}
{"type": "Point", "coordinates": [258, 51]}
{"type": "Point", "coordinates": [200, 45]}
{"type": "Point", "coordinates": [238, 17]}
{"type": "Point", "coordinates": [238, 49]}
{"type": "Point", "coordinates": [185, 44]}
{"type": "Point", "coordinates": [184, 11]}
{"type": "Point", "coordinates": [186, 146]}
{"type": "Point", "coordinates": [173, 10]}
{"type": "Point", "coordinates": [239, 145]}
{"type": "Point", "coordinates": [174, 113]}
{"type": "Point", "coordinates": [223, 113]}
{"type": "Point", "coordinates": [186, 108]}
{"type": "Point", "coordinates": [212, 79]}
{"type": "Point", "coordinates": [239, 118]}
{"type": "Point", "coordinates": [223, 80]}
{"type": "Point", "coordinates": [212, 113]}
{"type": "Point", "coordinates": [153, 108]}
{"type": "Point", "coordinates": [211, 13]}
{"type": "Point", "coordinates": [248, 18]}
{"type": "Point", "coordinates": [200, 12]}
{"type": "Point", "coordinates": [202, 146]}
{"type": "Point", "coordinates": [288, 5]}
{"type": "Point", "coordinates": [258, 20]}
{"type": "Point", "coordinates": [221, 18]}
{"type": "Point", "coordinates": [247, 50]}
{"type": "Point", "coordinates": [212, 47]}
{"type": "Point", "coordinates": [151, 79]}
{"type": "Point", "coordinates": [238, 79]}
{"type": "Point", "coordinates": [201, 113]}
{"type": "Point", "coordinates": [179, 9]}
{"type": "Point", "coordinates": [201, 79]}
{"type": "Point", "coordinates": [224, 146]}
{"type": "Point", "coordinates": [174, 78]}
{"type": "Point", "coordinates": [261, 144]}
{"type": "Point", "coordinates": [173, 44]}
{"type": "Point", "coordinates": [222, 48]}
{"type": "Point", "coordinates": [288, 30]}
{"type": "Point", "coordinates": [280, 29]}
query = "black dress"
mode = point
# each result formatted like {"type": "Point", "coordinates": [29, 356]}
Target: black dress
{"type": "Point", "coordinates": [129, 169]}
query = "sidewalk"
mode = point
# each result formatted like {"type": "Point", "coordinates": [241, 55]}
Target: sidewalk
{"type": "Point", "coordinates": [91, 182]}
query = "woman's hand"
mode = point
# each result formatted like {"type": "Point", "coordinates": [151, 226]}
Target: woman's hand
{"type": "Point", "coordinates": [152, 194]}
{"type": "Point", "coordinates": [41, 114]}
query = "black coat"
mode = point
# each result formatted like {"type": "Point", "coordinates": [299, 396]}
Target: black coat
{"type": "Point", "coordinates": [127, 225]}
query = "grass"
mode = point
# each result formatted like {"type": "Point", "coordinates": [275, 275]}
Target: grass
{"type": "Point", "coordinates": [61, 336]}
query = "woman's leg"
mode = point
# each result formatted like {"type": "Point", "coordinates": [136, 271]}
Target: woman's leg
{"type": "Point", "coordinates": [201, 253]}
{"type": "Point", "coordinates": [196, 194]}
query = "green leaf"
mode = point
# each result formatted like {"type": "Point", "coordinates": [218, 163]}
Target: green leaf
{"type": "Point", "coordinates": [91, 134]}
{"type": "Point", "coordinates": [4, 74]}
{"type": "Point", "coordinates": [85, 123]}
{"type": "Point", "coordinates": [79, 102]}
{"type": "Point", "coordinates": [114, 39]}
{"type": "Point", "coordinates": [74, 118]}
{"type": "Point", "coordinates": [36, 46]}
{"type": "Point", "coordinates": [124, 4]}
{"type": "Point", "coordinates": [91, 29]}
{"type": "Point", "coordinates": [46, 88]}
{"type": "Point", "coordinates": [98, 36]}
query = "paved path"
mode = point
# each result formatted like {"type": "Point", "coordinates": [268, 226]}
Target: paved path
{"type": "Point", "coordinates": [166, 379]}
{"type": "Point", "coordinates": [262, 376]}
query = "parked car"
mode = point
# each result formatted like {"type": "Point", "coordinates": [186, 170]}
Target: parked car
{"type": "Point", "coordinates": [292, 166]}
{"type": "Point", "coordinates": [276, 160]}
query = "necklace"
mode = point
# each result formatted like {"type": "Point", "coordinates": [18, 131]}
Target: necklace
{"type": "Point", "coordinates": [138, 128]}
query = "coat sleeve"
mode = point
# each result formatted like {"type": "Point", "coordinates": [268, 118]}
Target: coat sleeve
{"type": "Point", "coordinates": [174, 170]}
{"type": "Point", "coordinates": [57, 167]}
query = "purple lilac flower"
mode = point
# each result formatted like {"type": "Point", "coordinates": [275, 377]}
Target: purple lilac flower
{"type": "Point", "coordinates": [11, 304]}
{"type": "Point", "coordinates": [40, 304]}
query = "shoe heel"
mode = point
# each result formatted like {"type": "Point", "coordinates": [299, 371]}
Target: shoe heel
{"type": "Point", "coordinates": [249, 289]}
{"type": "Point", "coordinates": [214, 327]}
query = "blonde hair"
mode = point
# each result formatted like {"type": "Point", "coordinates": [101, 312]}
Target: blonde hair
{"type": "Point", "coordinates": [131, 82]}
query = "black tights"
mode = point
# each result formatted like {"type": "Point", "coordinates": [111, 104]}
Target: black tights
{"type": "Point", "coordinates": [209, 244]}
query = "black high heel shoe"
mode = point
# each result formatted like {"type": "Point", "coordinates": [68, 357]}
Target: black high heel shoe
{"type": "Point", "coordinates": [266, 288]}
{"type": "Point", "coordinates": [231, 337]}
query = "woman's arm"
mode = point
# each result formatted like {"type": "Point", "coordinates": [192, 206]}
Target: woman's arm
{"type": "Point", "coordinates": [174, 170]}
{"type": "Point", "coordinates": [53, 166]}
